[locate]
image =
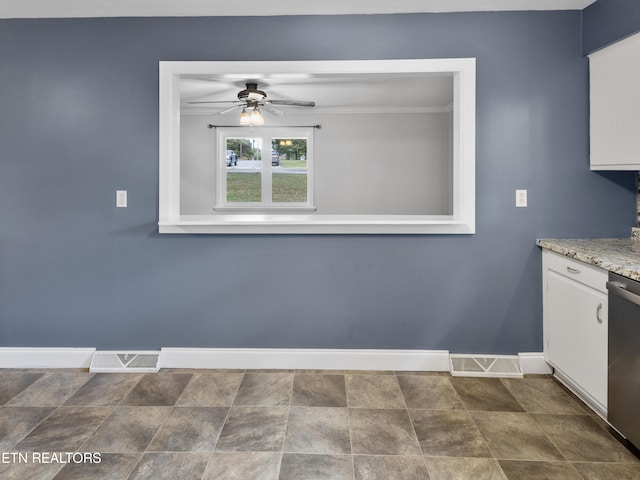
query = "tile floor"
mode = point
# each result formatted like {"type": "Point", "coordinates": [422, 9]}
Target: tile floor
{"type": "Point", "coordinates": [301, 425]}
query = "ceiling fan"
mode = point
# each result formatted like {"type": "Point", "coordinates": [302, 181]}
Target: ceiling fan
{"type": "Point", "coordinates": [254, 99]}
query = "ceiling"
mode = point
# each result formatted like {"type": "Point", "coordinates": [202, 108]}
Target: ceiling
{"type": "Point", "coordinates": [330, 92]}
{"type": "Point", "coordinates": [182, 8]}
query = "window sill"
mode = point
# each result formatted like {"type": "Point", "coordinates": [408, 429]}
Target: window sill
{"type": "Point", "coordinates": [262, 210]}
{"type": "Point", "coordinates": [316, 224]}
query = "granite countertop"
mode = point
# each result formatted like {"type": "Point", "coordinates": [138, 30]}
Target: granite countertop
{"type": "Point", "coordinates": [618, 255]}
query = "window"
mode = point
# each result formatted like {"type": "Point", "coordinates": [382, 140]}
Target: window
{"type": "Point", "coordinates": [390, 156]}
{"type": "Point", "coordinates": [266, 169]}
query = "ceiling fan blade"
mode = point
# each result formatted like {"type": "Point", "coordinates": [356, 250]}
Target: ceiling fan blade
{"type": "Point", "coordinates": [271, 109]}
{"type": "Point", "coordinates": [230, 109]}
{"type": "Point", "coordinates": [215, 101]}
{"type": "Point", "coordinates": [292, 103]}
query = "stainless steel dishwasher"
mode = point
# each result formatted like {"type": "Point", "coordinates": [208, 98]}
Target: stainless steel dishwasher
{"type": "Point", "coordinates": [623, 410]}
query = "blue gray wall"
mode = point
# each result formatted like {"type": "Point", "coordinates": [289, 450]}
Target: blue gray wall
{"type": "Point", "coordinates": [78, 120]}
{"type": "Point", "coordinates": [607, 21]}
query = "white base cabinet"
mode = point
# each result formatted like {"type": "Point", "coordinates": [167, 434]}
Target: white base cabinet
{"type": "Point", "coordinates": [575, 326]}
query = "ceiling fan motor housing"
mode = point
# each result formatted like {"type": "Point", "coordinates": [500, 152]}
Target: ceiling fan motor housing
{"type": "Point", "coordinates": [251, 93]}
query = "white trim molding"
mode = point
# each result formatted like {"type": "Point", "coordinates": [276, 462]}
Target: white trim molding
{"type": "Point", "coordinates": [259, 358]}
{"type": "Point", "coordinates": [17, 357]}
{"type": "Point", "coordinates": [302, 358]}
{"type": "Point", "coordinates": [171, 219]}
{"type": "Point", "coordinates": [207, 8]}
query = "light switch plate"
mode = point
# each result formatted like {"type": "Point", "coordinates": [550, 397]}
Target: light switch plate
{"type": "Point", "coordinates": [121, 198]}
{"type": "Point", "coordinates": [521, 198]}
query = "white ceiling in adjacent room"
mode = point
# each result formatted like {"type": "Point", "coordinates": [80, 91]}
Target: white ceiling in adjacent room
{"type": "Point", "coordinates": [329, 91]}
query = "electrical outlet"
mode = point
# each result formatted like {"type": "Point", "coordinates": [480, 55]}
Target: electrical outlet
{"type": "Point", "coordinates": [121, 198]}
{"type": "Point", "coordinates": [521, 198]}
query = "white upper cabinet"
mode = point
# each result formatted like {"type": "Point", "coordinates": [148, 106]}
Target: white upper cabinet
{"type": "Point", "coordinates": [615, 106]}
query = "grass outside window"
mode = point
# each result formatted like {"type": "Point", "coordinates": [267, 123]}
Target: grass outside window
{"type": "Point", "coordinates": [289, 188]}
{"type": "Point", "coordinates": [244, 187]}
{"type": "Point", "coordinates": [286, 188]}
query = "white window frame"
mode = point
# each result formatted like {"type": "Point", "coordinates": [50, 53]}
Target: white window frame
{"type": "Point", "coordinates": [266, 134]}
{"type": "Point", "coordinates": [461, 221]}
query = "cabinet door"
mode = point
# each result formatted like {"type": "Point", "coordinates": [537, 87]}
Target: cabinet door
{"type": "Point", "coordinates": [614, 74]}
{"type": "Point", "coordinates": [576, 319]}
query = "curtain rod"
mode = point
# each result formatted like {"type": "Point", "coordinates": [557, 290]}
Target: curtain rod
{"type": "Point", "coordinates": [318, 126]}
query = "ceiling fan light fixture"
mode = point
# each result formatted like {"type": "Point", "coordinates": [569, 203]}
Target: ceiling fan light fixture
{"type": "Point", "coordinates": [256, 116]}
{"type": "Point", "coordinates": [245, 118]}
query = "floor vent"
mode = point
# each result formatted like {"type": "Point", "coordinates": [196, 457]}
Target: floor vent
{"type": "Point", "coordinates": [118, 362]}
{"type": "Point", "coordinates": [499, 366]}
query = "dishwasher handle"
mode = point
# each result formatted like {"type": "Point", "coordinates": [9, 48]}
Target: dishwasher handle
{"type": "Point", "coordinates": [619, 288]}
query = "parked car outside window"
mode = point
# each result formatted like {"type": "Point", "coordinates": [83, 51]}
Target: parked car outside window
{"type": "Point", "coordinates": [232, 158]}
{"type": "Point", "coordinates": [275, 158]}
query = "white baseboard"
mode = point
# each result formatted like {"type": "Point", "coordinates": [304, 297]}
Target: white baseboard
{"type": "Point", "coordinates": [293, 358]}
{"type": "Point", "coordinates": [534, 364]}
{"type": "Point", "coordinates": [17, 357]}
{"type": "Point", "coordinates": [257, 358]}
